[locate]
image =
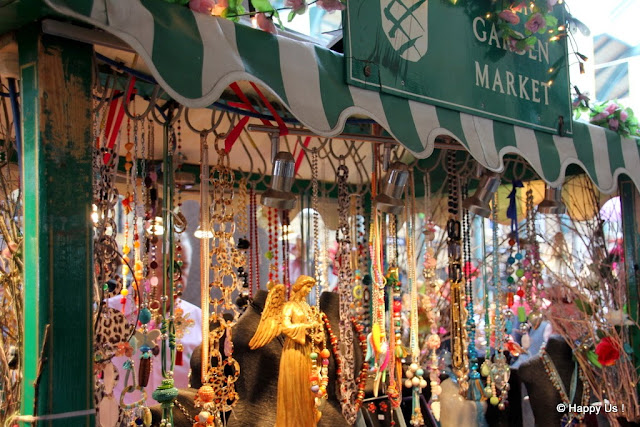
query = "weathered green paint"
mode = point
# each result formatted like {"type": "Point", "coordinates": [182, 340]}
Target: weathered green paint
{"type": "Point", "coordinates": [630, 200]}
{"type": "Point", "coordinates": [17, 13]}
{"type": "Point", "coordinates": [56, 123]}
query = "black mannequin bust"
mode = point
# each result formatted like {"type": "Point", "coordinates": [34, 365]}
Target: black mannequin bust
{"type": "Point", "coordinates": [259, 370]}
{"type": "Point", "coordinates": [543, 396]}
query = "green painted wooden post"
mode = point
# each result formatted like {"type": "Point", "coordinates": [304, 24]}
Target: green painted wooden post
{"type": "Point", "coordinates": [630, 200]}
{"type": "Point", "coordinates": [56, 78]}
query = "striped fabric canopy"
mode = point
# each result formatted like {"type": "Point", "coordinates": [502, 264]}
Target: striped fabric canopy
{"type": "Point", "coordinates": [195, 57]}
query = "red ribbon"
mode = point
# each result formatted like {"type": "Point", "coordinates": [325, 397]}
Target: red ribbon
{"type": "Point", "coordinates": [112, 132]}
{"type": "Point", "coordinates": [246, 105]}
{"type": "Point", "coordinates": [301, 154]}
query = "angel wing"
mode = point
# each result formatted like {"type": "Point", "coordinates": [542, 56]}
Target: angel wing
{"type": "Point", "coordinates": [270, 325]}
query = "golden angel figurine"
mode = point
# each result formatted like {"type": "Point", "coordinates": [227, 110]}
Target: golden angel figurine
{"type": "Point", "coordinates": [302, 326]}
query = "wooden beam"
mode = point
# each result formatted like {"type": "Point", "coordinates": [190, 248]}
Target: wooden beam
{"type": "Point", "coordinates": [630, 204]}
{"type": "Point", "coordinates": [56, 82]}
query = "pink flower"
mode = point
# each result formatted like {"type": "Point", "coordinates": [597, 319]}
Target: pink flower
{"type": "Point", "coordinates": [513, 46]}
{"type": "Point", "coordinates": [624, 115]}
{"type": "Point", "coordinates": [509, 16]}
{"type": "Point", "coordinates": [202, 6]}
{"type": "Point", "coordinates": [535, 23]}
{"type": "Point", "coordinates": [297, 6]}
{"type": "Point", "coordinates": [330, 5]}
{"type": "Point", "coordinates": [551, 3]}
{"type": "Point", "coordinates": [611, 108]}
{"type": "Point", "coordinates": [600, 116]}
{"type": "Point", "coordinates": [613, 124]}
{"type": "Point", "coordinates": [265, 23]}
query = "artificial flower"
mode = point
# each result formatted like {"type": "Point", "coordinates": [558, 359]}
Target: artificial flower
{"type": "Point", "coordinates": [607, 352]}
{"type": "Point", "coordinates": [202, 6]}
{"type": "Point", "coordinates": [550, 4]}
{"type": "Point", "coordinates": [330, 5]}
{"type": "Point", "coordinates": [536, 23]}
{"type": "Point", "coordinates": [265, 23]}
{"type": "Point", "coordinates": [600, 116]}
{"type": "Point", "coordinates": [612, 107]}
{"type": "Point", "coordinates": [614, 124]}
{"type": "Point", "coordinates": [509, 16]}
{"type": "Point", "coordinates": [297, 6]}
{"type": "Point", "coordinates": [624, 115]}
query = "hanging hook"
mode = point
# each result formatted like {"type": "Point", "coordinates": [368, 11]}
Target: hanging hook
{"type": "Point", "coordinates": [150, 107]}
{"type": "Point", "coordinates": [262, 172]}
{"type": "Point", "coordinates": [199, 131]}
{"type": "Point", "coordinates": [342, 157]}
{"type": "Point", "coordinates": [514, 170]}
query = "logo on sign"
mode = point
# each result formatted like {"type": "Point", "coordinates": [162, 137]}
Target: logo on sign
{"type": "Point", "coordinates": [405, 24]}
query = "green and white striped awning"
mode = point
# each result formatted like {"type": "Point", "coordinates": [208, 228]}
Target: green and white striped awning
{"type": "Point", "coordinates": [195, 57]}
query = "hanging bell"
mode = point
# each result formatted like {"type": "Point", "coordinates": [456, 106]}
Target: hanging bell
{"type": "Point", "coordinates": [552, 203]}
{"type": "Point", "coordinates": [479, 202]}
{"type": "Point", "coordinates": [390, 198]}
{"type": "Point", "coordinates": [279, 194]}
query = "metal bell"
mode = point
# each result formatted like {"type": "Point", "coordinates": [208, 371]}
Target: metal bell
{"type": "Point", "coordinates": [279, 194]}
{"type": "Point", "coordinates": [479, 202]}
{"type": "Point", "coordinates": [390, 198]}
{"type": "Point", "coordinates": [552, 203]}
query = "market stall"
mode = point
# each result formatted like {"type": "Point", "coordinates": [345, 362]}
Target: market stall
{"type": "Point", "coordinates": [308, 82]}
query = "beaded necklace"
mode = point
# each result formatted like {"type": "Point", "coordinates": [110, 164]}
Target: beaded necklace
{"type": "Point", "coordinates": [415, 374]}
{"type": "Point", "coordinates": [499, 369]}
{"type": "Point", "coordinates": [550, 368]}
{"type": "Point", "coordinates": [456, 280]}
{"type": "Point", "coordinates": [378, 329]}
{"type": "Point", "coordinates": [348, 387]}
{"type": "Point", "coordinates": [431, 304]}
{"type": "Point", "coordinates": [533, 267]}
{"type": "Point", "coordinates": [353, 404]}
{"type": "Point", "coordinates": [475, 384]}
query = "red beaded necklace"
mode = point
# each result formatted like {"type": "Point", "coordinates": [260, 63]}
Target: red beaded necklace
{"type": "Point", "coordinates": [362, 378]}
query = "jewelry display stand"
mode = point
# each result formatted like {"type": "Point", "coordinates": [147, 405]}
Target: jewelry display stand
{"type": "Point", "coordinates": [543, 396]}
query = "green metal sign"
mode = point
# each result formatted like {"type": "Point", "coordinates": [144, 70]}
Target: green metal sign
{"type": "Point", "coordinates": [449, 53]}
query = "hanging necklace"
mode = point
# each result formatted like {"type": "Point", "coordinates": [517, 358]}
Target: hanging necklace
{"type": "Point", "coordinates": [254, 248]}
{"type": "Point", "coordinates": [218, 394]}
{"type": "Point", "coordinates": [378, 354]}
{"type": "Point", "coordinates": [415, 373]}
{"type": "Point", "coordinates": [499, 371]}
{"type": "Point", "coordinates": [431, 302]}
{"type": "Point", "coordinates": [456, 280]}
{"type": "Point", "coordinates": [533, 267]}
{"type": "Point", "coordinates": [272, 252]}
{"type": "Point", "coordinates": [475, 392]}
{"type": "Point", "coordinates": [362, 377]}
{"type": "Point", "coordinates": [348, 386]}
{"type": "Point", "coordinates": [242, 209]}
{"type": "Point", "coordinates": [316, 225]}
{"type": "Point", "coordinates": [285, 249]}
{"type": "Point", "coordinates": [550, 368]}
